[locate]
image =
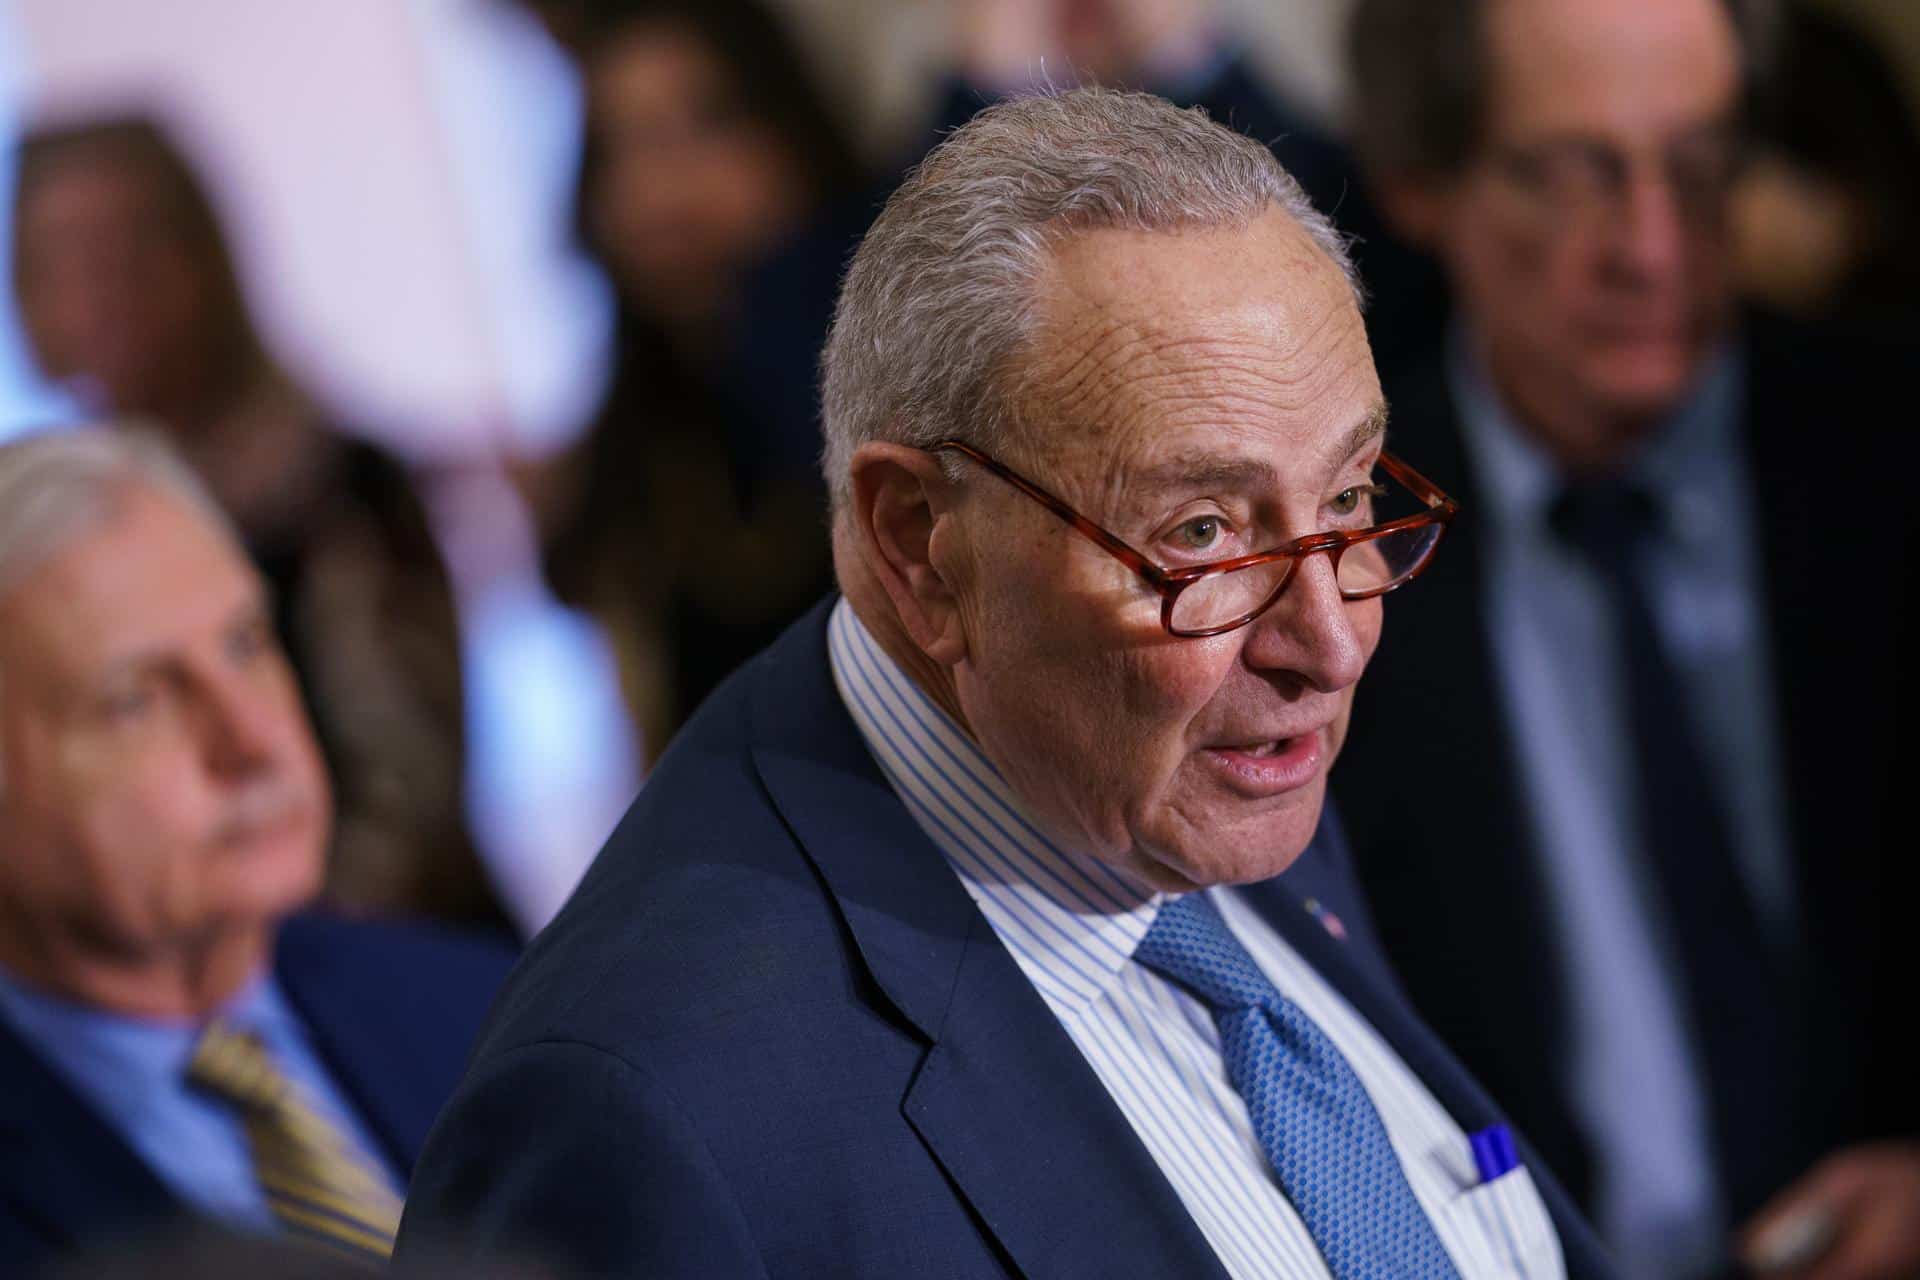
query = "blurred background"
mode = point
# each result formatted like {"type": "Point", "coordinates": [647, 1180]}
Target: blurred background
{"type": "Point", "coordinates": [548, 279]}
{"type": "Point", "coordinates": [494, 325]}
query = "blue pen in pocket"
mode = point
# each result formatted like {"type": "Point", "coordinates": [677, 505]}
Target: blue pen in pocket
{"type": "Point", "coordinates": [1493, 1152]}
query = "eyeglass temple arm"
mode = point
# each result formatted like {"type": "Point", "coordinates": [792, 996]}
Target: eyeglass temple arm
{"type": "Point", "coordinates": [1424, 489]}
{"type": "Point", "coordinates": [1120, 551]}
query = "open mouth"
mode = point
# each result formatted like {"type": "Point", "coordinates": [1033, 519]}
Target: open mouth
{"type": "Point", "coordinates": [1270, 766]}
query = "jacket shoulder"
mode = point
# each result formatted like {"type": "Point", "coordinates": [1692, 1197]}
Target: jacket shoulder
{"type": "Point", "coordinates": [370, 952]}
{"type": "Point", "coordinates": [701, 900]}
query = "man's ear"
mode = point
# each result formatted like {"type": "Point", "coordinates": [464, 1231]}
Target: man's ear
{"type": "Point", "coordinates": [900, 495]}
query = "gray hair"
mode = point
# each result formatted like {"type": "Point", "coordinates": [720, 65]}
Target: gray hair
{"type": "Point", "coordinates": [58, 486]}
{"type": "Point", "coordinates": [941, 296]}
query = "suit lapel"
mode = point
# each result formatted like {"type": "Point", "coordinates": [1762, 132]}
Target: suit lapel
{"type": "Point", "coordinates": [1380, 1005]}
{"type": "Point", "coordinates": [1012, 1111]}
{"type": "Point", "coordinates": [64, 1168]}
{"type": "Point", "coordinates": [1003, 1099]}
{"type": "Point", "coordinates": [362, 1044]}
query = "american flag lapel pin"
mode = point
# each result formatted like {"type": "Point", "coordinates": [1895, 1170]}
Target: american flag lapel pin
{"type": "Point", "coordinates": [1331, 922]}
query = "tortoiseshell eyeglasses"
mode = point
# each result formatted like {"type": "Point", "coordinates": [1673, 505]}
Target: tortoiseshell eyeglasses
{"type": "Point", "coordinates": [1212, 599]}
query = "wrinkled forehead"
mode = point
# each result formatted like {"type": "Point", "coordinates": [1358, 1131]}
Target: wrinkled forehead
{"type": "Point", "coordinates": [1148, 346]}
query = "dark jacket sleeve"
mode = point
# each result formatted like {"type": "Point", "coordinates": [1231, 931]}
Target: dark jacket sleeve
{"type": "Point", "coordinates": [565, 1154]}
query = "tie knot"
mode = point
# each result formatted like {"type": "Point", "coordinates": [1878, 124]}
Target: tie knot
{"type": "Point", "coordinates": [1190, 944]}
{"type": "Point", "coordinates": [1605, 520]}
{"type": "Point", "coordinates": [235, 1065]}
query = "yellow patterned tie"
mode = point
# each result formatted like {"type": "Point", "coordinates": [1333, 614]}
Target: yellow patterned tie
{"type": "Point", "coordinates": [317, 1181]}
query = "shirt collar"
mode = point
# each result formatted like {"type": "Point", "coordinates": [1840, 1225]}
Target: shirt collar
{"type": "Point", "coordinates": [1687, 462]}
{"type": "Point", "coordinates": [122, 1061]}
{"type": "Point", "coordinates": [1070, 921]}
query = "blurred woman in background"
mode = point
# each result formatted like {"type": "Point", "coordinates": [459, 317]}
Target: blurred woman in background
{"type": "Point", "coordinates": [128, 296]}
{"type": "Point", "coordinates": [688, 525]}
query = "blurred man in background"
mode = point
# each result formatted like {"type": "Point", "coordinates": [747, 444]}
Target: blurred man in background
{"type": "Point", "coordinates": [128, 294]}
{"type": "Point", "coordinates": [1647, 728]}
{"type": "Point", "coordinates": [174, 1038]}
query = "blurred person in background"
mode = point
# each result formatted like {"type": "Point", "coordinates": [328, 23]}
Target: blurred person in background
{"type": "Point", "coordinates": [1650, 730]}
{"type": "Point", "coordinates": [684, 525]}
{"type": "Point", "coordinates": [178, 1038]}
{"type": "Point", "coordinates": [1826, 215]}
{"type": "Point", "coordinates": [128, 295]}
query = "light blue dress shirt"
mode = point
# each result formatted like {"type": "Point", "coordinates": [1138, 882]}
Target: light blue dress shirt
{"type": "Point", "coordinates": [132, 1072]}
{"type": "Point", "coordinates": [1634, 1071]}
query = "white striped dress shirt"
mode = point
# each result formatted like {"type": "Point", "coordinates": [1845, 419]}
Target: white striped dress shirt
{"type": "Point", "coordinates": [1072, 923]}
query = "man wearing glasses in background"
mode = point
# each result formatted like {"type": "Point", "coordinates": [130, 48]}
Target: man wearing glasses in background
{"type": "Point", "coordinates": [1648, 720]}
{"type": "Point", "coordinates": [947, 940]}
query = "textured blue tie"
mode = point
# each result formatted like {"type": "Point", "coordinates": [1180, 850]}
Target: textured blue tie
{"type": "Point", "coordinates": [1325, 1141]}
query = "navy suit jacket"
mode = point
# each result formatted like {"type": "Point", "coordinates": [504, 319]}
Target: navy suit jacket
{"type": "Point", "coordinates": [771, 1035]}
{"type": "Point", "coordinates": [392, 1011]}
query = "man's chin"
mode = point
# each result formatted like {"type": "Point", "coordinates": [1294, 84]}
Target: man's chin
{"type": "Point", "coordinates": [1644, 380]}
{"type": "Point", "coordinates": [271, 879]}
{"type": "Point", "coordinates": [1242, 848]}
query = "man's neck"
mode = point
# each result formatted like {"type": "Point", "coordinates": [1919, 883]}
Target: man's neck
{"type": "Point", "coordinates": [876, 614]}
{"type": "Point", "coordinates": [181, 982]}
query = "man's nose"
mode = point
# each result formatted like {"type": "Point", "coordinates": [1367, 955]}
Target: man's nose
{"type": "Point", "coordinates": [1311, 631]}
{"type": "Point", "coordinates": [1650, 234]}
{"type": "Point", "coordinates": [243, 726]}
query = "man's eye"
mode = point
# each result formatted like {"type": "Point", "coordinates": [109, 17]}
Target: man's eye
{"type": "Point", "coordinates": [1356, 501]}
{"type": "Point", "coordinates": [249, 643]}
{"type": "Point", "coordinates": [130, 703]}
{"type": "Point", "coordinates": [1202, 533]}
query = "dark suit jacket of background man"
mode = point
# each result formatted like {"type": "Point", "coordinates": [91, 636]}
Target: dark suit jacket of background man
{"type": "Point", "coordinates": [1450, 865]}
{"type": "Point", "coordinates": [771, 1035]}
{"type": "Point", "coordinates": [392, 1012]}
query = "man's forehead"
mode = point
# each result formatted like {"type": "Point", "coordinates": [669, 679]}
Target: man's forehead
{"type": "Point", "coordinates": [1155, 346]}
{"type": "Point", "coordinates": [1232, 461]}
{"type": "Point", "coordinates": [1568, 66]}
{"type": "Point", "coordinates": [1150, 275]}
{"type": "Point", "coordinates": [151, 578]}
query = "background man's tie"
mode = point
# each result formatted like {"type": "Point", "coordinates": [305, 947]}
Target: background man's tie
{"type": "Point", "coordinates": [1736, 984]}
{"type": "Point", "coordinates": [1322, 1136]}
{"type": "Point", "coordinates": [318, 1183]}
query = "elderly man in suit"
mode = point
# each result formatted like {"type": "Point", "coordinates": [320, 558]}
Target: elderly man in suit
{"type": "Point", "coordinates": [952, 939]}
{"type": "Point", "coordinates": [1651, 720]}
{"type": "Point", "coordinates": [175, 1041]}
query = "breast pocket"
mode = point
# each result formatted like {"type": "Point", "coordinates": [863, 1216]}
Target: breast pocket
{"type": "Point", "coordinates": [1510, 1220]}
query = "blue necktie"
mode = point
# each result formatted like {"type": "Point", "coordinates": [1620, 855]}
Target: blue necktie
{"type": "Point", "coordinates": [1325, 1141]}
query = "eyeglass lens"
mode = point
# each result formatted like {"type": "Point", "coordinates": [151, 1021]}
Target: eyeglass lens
{"type": "Point", "coordinates": [1365, 569]}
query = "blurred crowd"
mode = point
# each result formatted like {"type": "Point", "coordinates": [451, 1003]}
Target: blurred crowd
{"type": "Point", "coordinates": [1535, 251]}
